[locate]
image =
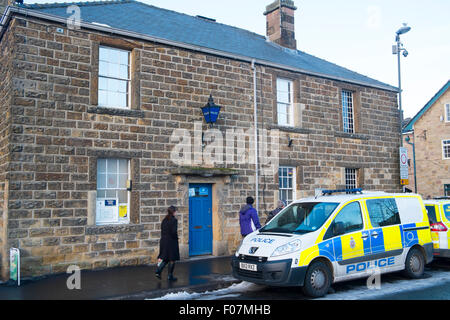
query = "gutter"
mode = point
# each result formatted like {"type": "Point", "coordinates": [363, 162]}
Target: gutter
{"type": "Point", "coordinates": [28, 12]}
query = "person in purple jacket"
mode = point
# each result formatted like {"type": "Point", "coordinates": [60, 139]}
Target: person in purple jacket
{"type": "Point", "coordinates": [246, 216]}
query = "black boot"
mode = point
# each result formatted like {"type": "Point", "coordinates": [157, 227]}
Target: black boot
{"type": "Point", "coordinates": [171, 268]}
{"type": "Point", "coordinates": [160, 268]}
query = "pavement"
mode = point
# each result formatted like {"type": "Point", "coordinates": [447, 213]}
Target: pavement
{"type": "Point", "coordinates": [127, 283]}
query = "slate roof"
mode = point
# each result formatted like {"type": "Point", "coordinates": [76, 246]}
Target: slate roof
{"type": "Point", "coordinates": [152, 21]}
{"type": "Point", "coordinates": [410, 126]}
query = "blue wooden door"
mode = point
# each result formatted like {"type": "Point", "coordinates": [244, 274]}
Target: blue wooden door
{"type": "Point", "coordinates": [200, 219]}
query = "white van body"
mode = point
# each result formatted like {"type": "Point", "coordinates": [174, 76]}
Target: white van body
{"type": "Point", "coordinates": [348, 249]}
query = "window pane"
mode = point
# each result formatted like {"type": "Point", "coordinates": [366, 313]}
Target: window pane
{"type": "Point", "coordinates": [383, 212]}
{"type": "Point", "coordinates": [123, 181]}
{"type": "Point", "coordinates": [282, 85]}
{"type": "Point", "coordinates": [102, 98]}
{"type": "Point", "coordinates": [101, 165]}
{"type": "Point", "coordinates": [351, 217]}
{"type": "Point", "coordinates": [123, 196]}
{"type": "Point", "coordinates": [112, 166]}
{"type": "Point", "coordinates": [112, 181]}
{"type": "Point", "coordinates": [123, 166]}
{"type": "Point", "coordinates": [101, 181]}
{"type": "Point", "coordinates": [101, 194]}
{"type": "Point", "coordinates": [111, 194]}
{"type": "Point", "coordinates": [431, 214]}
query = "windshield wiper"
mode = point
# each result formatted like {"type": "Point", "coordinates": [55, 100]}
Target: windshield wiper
{"type": "Point", "coordinates": [302, 231]}
{"type": "Point", "coordinates": [276, 230]}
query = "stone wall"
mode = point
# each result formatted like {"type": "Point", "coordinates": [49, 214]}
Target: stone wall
{"type": "Point", "coordinates": [6, 74]}
{"type": "Point", "coordinates": [58, 133]}
{"type": "Point", "coordinates": [432, 171]}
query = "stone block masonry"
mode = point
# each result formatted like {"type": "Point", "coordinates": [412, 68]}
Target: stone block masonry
{"type": "Point", "coordinates": [52, 132]}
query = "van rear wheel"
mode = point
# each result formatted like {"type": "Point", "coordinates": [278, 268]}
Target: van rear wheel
{"type": "Point", "coordinates": [317, 280]}
{"type": "Point", "coordinates": [415, 264]}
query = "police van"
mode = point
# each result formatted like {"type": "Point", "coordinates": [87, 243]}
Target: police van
{"type": "Point", "coordinates": [439, 215]}
{"type": "Point", "coordinates": [329, 238]}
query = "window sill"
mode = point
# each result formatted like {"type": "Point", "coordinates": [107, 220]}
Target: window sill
{"type": "Point", "coordinates": [358, 136]}
{"type": "Point", "coordinates": [117, 112]}
{"type": "Point", "coordinates": [113, 228]}
{"type": "Point", "coordinates": [290, 129]}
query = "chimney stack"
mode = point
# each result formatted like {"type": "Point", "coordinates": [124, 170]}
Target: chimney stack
{"type": "Point", "coordinates": [281, 24]}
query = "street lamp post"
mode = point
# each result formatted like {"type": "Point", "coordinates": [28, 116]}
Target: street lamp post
{"type": "Point", "coordinates": [398, 49]}
{"type": "Point", "coordinates": [408, 139]}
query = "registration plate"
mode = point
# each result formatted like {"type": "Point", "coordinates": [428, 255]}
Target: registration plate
{"type": "Point", "coordinates": [248, 266]}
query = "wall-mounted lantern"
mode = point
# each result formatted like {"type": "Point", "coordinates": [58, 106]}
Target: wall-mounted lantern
{"type": "Point", "coordinates": [211, 111]}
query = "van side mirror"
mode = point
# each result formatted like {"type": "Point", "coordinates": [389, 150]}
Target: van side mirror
{"type": "Point", "coordinates": [338, 228]}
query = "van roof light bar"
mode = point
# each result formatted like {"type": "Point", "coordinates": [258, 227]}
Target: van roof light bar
{"type": "Point", "coordinates": [348, 191]}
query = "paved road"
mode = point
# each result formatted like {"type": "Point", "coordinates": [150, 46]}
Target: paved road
{"type": "Point", "coordinates": [395, 286]}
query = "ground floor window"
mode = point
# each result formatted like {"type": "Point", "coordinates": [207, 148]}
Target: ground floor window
{"type": "Point", "coordinates": [286, 178]}
{"type": "Point", "coordinates": [447, 190]}
{"type": "Point", "coordinates": [113, 197]}
{"type": "Point", "coordinates": [351, 178]}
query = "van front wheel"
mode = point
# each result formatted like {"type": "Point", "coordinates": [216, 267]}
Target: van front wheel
{"type": "Point", "coordinates": [415, 264]}
{"type": "Point", "coordinates": [317, 280]}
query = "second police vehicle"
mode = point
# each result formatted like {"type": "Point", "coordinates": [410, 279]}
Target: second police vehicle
{"type": "Point", "coordinates": [439, 215]}
{"type": "Point", "coordinates": [317, 241]}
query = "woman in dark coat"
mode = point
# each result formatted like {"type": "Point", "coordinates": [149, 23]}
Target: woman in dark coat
{"type": "Point", "coordinates": [168, 245]}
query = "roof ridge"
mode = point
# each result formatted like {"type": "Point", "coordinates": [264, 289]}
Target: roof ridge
{"type": "Point", "coordinates": [79, 3]}
{"type": "Point", "coordinates": [408, 127]}
{"type": "Point", "coordinates": [106, 2]}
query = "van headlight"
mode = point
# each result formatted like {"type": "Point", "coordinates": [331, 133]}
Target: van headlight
{"type": "Point", "coordinates": [287, 248]}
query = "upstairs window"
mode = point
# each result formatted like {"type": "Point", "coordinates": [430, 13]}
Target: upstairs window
{"type": "Point", "coordinates": [114, 78]}
{"type": "Point", "coordinates": [447, 112]}
{"type": "Point", "coordinates": [285, 103]}
{"type": "Point", "coordinates": [446, 149]}
{"type": "Point", "coordinates": [348, 115]}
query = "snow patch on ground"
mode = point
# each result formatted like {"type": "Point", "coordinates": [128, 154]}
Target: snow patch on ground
{"type": "Point", "coordinates": [233, 291]}
{"type": "Point", "coordinates": [363, 293]}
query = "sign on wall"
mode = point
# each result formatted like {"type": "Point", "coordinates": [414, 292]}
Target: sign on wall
{"type": "Point", "coordinates": [14, 265]}
{"type": "Point", "coordinates": [107, 210]}
{"type": "Point", "coordinates": [404, 168]}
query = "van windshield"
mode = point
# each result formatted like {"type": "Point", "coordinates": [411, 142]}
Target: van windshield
{"type": "Point", "coordinates": [301, 218]}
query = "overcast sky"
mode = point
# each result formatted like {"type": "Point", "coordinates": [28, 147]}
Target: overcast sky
{"type": "Point", "coordinates": [356, 34]}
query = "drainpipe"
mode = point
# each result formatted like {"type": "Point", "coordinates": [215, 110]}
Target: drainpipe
{"type": "Point", "coordinates": [256, 137]}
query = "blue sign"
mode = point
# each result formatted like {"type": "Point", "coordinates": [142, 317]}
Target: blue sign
{"type": "Point", "coordinates": [203, 192]}
{"type": "Point", "coordinates": [110, 203]}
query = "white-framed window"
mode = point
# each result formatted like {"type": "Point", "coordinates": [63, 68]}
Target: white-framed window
{"type": "Point", "coordinates": [114, 78]}
{"type": "Point", "coordinates": [447, 112]}
{"type": "Point", "coordinates": [348, 116]}
{"type": "Point", "coordinates": [351, 178]}
{"type": "Point", "coordinates": [446, 149]}
{"type": "Point", "coordinates": [113, 197]}
{"type": "Point", "coordinates": [285, 102]}
{"type": "Point", "coordinates": [287, 182]}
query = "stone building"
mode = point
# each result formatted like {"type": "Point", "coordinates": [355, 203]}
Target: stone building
{"type": "Point", "coordinates": [429, 130]}
{"type": "Point", "coordinates": [92, 112]}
